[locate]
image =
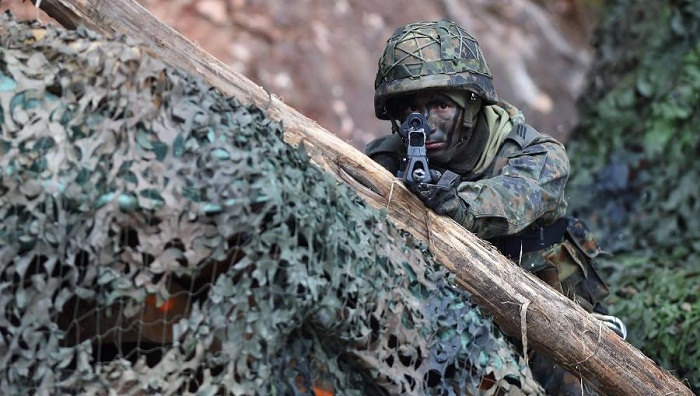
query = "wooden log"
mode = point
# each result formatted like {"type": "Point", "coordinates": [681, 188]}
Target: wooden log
{"type": "Point", "coordinates": [520, 303]}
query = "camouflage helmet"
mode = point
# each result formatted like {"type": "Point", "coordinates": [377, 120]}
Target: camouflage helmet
{"type": "Point", "coordinates": [426, 55]}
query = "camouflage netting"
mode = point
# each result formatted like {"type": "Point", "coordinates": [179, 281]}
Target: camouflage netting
{"type": "Point", "coordinates": [635, 173]}
{"type": "Point", "coordinates": [157, 237]}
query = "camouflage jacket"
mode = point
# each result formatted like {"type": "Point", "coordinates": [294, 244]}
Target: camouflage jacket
{"type": "Point", "coordinates": [520, 195]}
{"type": "Point", "coordinates": [523, 185]}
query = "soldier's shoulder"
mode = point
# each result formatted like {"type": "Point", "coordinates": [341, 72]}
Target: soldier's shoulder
{"type": "Point", "coordinates": [385, 144]}
{"type": "Point", "coordinates": [525, 136]}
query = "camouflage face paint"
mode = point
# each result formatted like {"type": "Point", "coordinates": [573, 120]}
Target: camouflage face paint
{"type": "Point", "coordinates": [444, 118]}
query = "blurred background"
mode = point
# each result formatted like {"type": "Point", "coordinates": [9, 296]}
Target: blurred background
{"type": "Point", "coordinates": [321, 57]}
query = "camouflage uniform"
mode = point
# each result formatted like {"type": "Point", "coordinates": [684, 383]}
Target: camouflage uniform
{"type": "Point", "coordinates": [520, 193]}
{"type": "Point", "coordinates": [515, 199]}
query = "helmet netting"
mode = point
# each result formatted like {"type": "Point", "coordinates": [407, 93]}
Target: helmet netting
{"type": "Point", "coordinates": [431, 55]}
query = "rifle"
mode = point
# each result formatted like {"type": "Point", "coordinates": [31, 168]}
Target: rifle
{"type": "Point", "coordinates": [414, 168]}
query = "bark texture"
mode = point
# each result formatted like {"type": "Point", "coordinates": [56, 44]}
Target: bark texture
{"type": "Point", "coordinates": [520, 303]}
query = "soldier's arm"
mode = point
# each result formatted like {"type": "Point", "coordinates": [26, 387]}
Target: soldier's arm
{"type": "Point", "coordinates": [529, 187]}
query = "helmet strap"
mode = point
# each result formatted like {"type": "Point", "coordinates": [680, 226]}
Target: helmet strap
{"type": "Point", "coordinates": [469, 101]}
{"type": "Point", "coordinates": [395, 127]}
{"type": "Point", "coordinates": [467, 151]}
{"type": "Point", "coordinates": [471, 110]}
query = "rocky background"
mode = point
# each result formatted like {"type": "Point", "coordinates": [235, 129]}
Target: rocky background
{"type": "Point", "coordinates": [321, 57]}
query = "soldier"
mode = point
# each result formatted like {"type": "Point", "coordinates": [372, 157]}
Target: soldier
{"type": "Point", "coordinates": [491, 172]}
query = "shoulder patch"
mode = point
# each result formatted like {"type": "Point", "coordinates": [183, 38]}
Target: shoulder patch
{"type": "Point", "coordinates": [523, 134]}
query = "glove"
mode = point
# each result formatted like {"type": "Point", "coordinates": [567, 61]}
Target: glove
{"type": "Point", "coordinates": [442, 197]}
{"type": "Point", "coordinates": [613, 323]}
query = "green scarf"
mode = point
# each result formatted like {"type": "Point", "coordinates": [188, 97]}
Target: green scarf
{"type": "Point", "coordinates": [499, 122]}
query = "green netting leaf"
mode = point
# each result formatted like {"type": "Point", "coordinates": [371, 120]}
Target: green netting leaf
{"type": "Point", "coordinates": [159, 237]}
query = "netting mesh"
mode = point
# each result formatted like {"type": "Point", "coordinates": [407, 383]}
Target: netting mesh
{"type": "Point", "coordinates": [160, 238]}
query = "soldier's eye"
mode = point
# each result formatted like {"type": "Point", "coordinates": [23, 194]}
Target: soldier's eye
{"type": "Point", "coordinates": [441, 104]}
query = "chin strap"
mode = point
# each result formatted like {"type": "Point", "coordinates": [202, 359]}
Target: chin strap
{"type": "Point", "coordinates": [471, 110]}
{"type": "Point", "coordinates": [395, 126]}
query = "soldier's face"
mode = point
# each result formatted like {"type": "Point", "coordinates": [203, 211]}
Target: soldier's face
{"type": "Point", "coordinates": [444, 118]}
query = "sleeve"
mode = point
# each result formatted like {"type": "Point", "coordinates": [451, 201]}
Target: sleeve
{"type": "Point", "coordinates": [528, 189]}
{"type": "Point", "coordinates": [386, 151]}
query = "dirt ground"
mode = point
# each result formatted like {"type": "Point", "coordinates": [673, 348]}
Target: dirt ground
{"type": "Point", "coordinates": [321, 57]}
